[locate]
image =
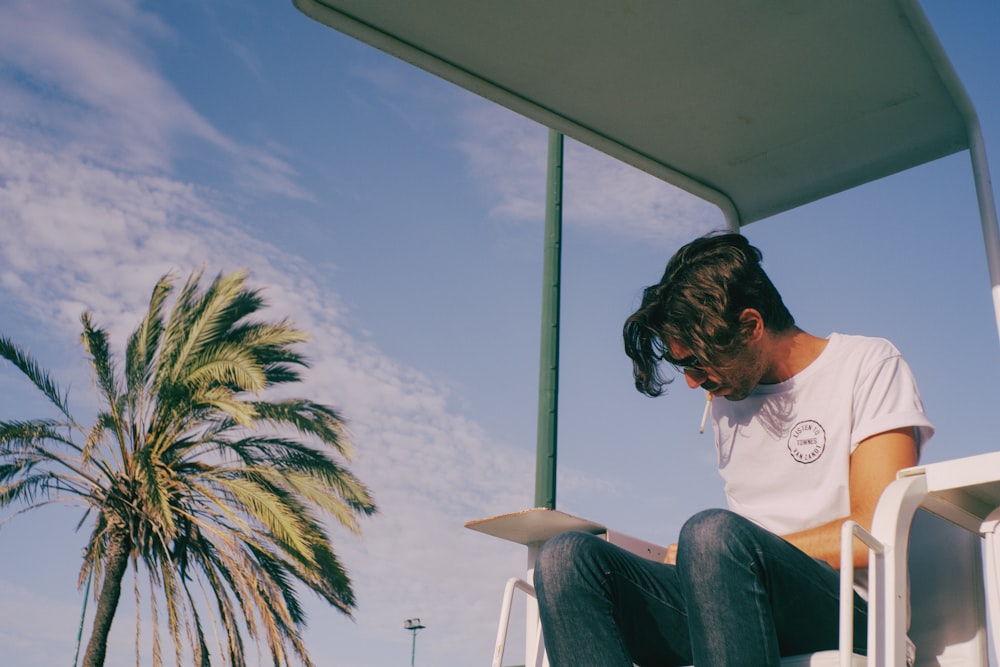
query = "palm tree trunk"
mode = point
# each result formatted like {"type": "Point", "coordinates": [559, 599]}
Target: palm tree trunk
{"type": "Point", "coordinates": [107, 603]}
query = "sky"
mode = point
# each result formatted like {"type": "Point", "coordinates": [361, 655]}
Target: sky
{"type": "Point", "coordinates": [398, 220]}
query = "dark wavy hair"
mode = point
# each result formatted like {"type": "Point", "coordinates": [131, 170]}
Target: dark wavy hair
{"type": "Point", "coordinates": [706, 286]}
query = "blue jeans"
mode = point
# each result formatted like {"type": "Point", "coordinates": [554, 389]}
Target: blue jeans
{"type": "Point", "coordinates": [739, 595]}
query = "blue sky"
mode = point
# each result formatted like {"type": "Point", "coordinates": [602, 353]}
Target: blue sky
{"type": "Point", "coordinates": [398, 220]}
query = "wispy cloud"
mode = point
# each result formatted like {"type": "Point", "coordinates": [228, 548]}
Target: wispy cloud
{"type": "Point", "coordinates": [508, 156]}
{"type": "Point", "coordinates": [85, 75]}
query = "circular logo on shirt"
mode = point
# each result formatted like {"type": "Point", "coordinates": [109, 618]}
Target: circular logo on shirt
{"type": "Point", "coordinates": [807, 441]}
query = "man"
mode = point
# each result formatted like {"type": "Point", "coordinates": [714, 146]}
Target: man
{"type": "Point", "coordinates": [810, 432]}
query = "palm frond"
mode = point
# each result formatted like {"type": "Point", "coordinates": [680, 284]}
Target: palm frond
{"type": "Point", "coordinates": [220, 580]}
{"type": "Point", "coordinates": [175, 607]}
{"type": "Point", "coordinates": [228, 366]}
{"type": "Point", "coordinates": [327, 577]}
{"type": "Point", "coordinates": [175, 333]}
{"type": "Point", "coordinates": [199, 646]}
{"type": "Point", "coordinates": [308, 418]}
{"type": "Point", "coordinates": [29, 488]}
{"type": "Point", "coordinates": [95, 342]}
{"type": "Point", "coordinates": [144, 342]}
{"type": "Point", "coordinates": [138, 622]}
{"type": "Point", "coordinates": [28, 444]}
{"type": "Point", "coordinates": [216, 516]}
{"type": "Point", "coordinates": [27, 365]}
{"type": "Point", "coordinates": [279, 573]}
{"type": "Point", "coordinates": [26, 492]}
{"type": "Point", "coordinates": [32, 434]}
{"type": "Point", "coordinates": [271, 345]}
{"type": "Point", "coordinates": [16, 468]}
{"type": "Point", "coordinates": [204, 319]}
{"type": "Point", "coordinates": [350, 499]}
{"type": "Point", "coordinates": [277, 513]}
{"type": "Point", "coordinates": [94, 552]}
{"type": "Point", "coordinates": [286, 456]}
{"type": "Point", "coordinates": [95, 437]}
{"type": "Point", "coordinates": [154, 491]}
{"type": "Point", "coordinates": [243, 413]}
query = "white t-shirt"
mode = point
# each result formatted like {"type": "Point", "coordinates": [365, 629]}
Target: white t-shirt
{"type": "Point", "coordinates": [784, 451]}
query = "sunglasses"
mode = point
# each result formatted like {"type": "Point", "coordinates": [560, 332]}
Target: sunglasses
{"type": "Point", "coordinates": [691, 366]}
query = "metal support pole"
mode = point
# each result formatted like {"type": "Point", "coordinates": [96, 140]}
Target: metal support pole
{"type": "Point", "coordinates": [548, 377]}
{"type": "Point", "coordinates": [977, 147]}
{"type": "Point", "coordinates": [987, 212]}
{"type": "Point", "coordinates": [413, 625]}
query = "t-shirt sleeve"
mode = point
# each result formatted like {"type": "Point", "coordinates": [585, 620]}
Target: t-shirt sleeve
{"type": "Point", "coordinates": [887, 398]}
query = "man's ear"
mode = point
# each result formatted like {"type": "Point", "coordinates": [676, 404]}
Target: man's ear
{"type": "Point", "coordinates": [751, 324]}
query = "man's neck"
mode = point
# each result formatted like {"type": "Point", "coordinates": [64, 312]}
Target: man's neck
{"type": "Point", "coordinates": [791, 351]}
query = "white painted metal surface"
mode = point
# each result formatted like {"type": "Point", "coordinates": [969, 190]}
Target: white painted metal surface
{"type": "Point", "coordinates": [966, 493]}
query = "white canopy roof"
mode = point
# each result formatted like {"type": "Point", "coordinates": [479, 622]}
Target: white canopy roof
{"type": "Point", "coordinates": [757, 106]}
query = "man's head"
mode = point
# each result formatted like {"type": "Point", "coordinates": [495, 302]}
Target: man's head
{"type": "Point", "coordinates": [714, 299]}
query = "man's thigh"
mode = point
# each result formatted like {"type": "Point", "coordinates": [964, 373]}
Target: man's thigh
{"type": "Point", "coordinates": [805, 602]}
{"type": "Point", "coordinates": [648, 608]}
{"type": "Point", "coordinates": [747, 577]}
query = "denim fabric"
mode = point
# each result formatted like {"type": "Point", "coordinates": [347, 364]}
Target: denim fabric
{"type": "Point", "coordinates": [738, 595]}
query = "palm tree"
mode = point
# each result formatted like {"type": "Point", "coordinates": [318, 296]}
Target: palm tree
{"type": "Point", "coordinates": [189, 475]}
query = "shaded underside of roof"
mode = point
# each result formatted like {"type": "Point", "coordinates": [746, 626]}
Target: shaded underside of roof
{"type": "Point", "coordinates": [756, 105]}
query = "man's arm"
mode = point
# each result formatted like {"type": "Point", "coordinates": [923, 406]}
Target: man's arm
{"type": "Point", "coordinates": [874, 465]}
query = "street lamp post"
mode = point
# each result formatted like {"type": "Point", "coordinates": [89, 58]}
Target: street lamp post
{"type": "Point", "coordinates": [413, 624]}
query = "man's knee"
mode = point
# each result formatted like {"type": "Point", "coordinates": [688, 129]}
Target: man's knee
{"type": "Point", "coordinates": [562, 550]}
{"type": "Point", "coordinates": [570, 563]}
{"type": "Point", "coordinates": [710, 531]}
